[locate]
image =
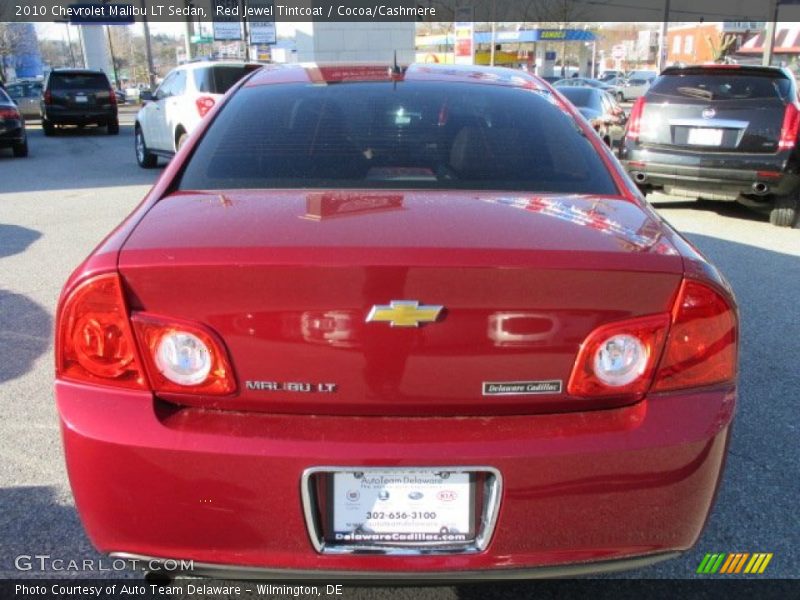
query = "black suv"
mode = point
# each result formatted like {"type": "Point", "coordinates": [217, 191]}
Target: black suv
{"type": "Point", "coordinates": [78, 97]}
{"type": "Point", "coordinates": [719, 132]}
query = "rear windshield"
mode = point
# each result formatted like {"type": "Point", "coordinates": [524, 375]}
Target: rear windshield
{"type": "Point", "coordinates": [219, 79]}
{"type": "Point", "coordinates": [24, 90]}
{"type": "Point", "coordinates": [4, 99]}
{"type": "Point", "coordinates": [582, 97]}
{"type": "Point", "coordinates": [723, 85]}
{"type": "Point", "coordinates": [78, 81]}
{"type": "Point", "coordinates": [426, 135]}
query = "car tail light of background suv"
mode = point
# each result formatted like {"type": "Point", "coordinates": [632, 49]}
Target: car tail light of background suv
{"type": "Point", "coordinates": [635, 122]}
{"type": "Point", "coordinates": [10, 114]}
{"type": "Point", "coordinates": [204, 104]}
{"type": "Point", "coordinates": [789, 129]}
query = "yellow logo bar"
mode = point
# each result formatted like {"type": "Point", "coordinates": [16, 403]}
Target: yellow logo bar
{"type": "Point", "coordinates": [403, 313]}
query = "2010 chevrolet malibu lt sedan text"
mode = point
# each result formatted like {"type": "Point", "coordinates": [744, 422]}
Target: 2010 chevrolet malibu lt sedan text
{"type": "Point", "coordinates": [385, 322]}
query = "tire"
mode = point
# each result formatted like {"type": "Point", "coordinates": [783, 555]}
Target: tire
{"type": "Point", "coordinates": [784, 211]}
{"type": "Point", "coordinates": [620, 97]}
{"type": "Point", "coordinates": [181, 140]}
{"type": "Point", "coordinates": [21, 150]}
{"type": "Point", "coordinates": [48, 128]}
{"type": "Point", "coordinates": [144, 158]}
{"type": "Point", "coordinates": [112, 127]}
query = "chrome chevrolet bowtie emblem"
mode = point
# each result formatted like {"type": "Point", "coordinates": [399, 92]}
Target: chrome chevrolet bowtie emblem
{"type": "Point", "coordinates": [403, 313]}
{"type": "Point", "coordinates": [709, 113]}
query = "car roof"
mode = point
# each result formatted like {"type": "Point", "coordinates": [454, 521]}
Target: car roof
{"type": "Point", "coordinates": [206, 64]}
{"type": "Point", "coordinates": [70, 71]}
{"type": "Point", "coordinates": [374, 72]}
{"type": "Point", "coordinates": [726, 68]}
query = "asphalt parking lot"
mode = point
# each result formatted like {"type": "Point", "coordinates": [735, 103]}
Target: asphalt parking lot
{"type": "Point", "coordinates": [56, 205]}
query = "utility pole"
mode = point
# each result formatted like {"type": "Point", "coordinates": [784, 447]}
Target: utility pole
{"type": "Point", "coordinates": [113, 58]}
{"type": "Point", "coordinates": [188, 31]}
{"type": "Point", "coordinates": [148, 51]}
{"type": "Point", "coordinates": [69, 45]}
{"type": "Point", "coordinates": [769, 36]}
{"type": "Point", "coordinates": [662, 39]}
{"type": "Point", "coordinates": [494, 32]}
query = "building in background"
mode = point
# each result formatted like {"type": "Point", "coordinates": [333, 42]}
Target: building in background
{"type": "Point", "coordinates": [698, 43]}
{"type": "Point", "coordinates": [786, 50]}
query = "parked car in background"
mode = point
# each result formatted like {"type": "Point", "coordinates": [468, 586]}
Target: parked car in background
{"type": "Point", "coordinates": [606, 76]}
{"type": "Point", "coordinates": [646, 74]}
{"type": "Point", "coordinates": [78, 97]}
{"type": "Point", "coordinates": [600, 109]}
{"type": "Point", "coordinates": [12, 127]}
{"type": "Point", "coordinates": [582, 82]}
{"type": "Point", "coordinates": [631, 88]}
{"type": "Point", "coordinates": [26, 94]}
{"type": "Point", "coordinates": [388, 322]}
{"type": "Point", "coordinates": [719, 132]}
{"type": "Point", "coordinates": [178, 105]}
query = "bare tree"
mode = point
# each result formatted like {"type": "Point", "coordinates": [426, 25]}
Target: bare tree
{"type": "Point", "coordinates": [9, 40]}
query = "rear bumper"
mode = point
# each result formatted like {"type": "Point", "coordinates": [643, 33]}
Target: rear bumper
{"type": "Point", "coordinates": [224, 488]}
{"type": "Point", "coordinates": [11, 135]}
{"type": "Point", "coordinates": [727, 174]}
{"type": "Point", "coordinates": [59, 115]}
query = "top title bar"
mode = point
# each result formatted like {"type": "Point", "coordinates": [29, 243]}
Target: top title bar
{"type": "Point", "coordinates": [553, 11]}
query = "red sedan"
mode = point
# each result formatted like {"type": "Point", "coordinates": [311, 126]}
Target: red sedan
{"type": "Point", "coordinates": [383, 322]}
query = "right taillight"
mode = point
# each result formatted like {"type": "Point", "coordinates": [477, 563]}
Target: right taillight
{"type": "Point", "coordinates": [702, 343]}
{"type": "Point", "coordinates": [635, 120]}
{"type": "Point", "coordinates": [789, 129]}
{"type": "Point", "coordinates": [48, 97]}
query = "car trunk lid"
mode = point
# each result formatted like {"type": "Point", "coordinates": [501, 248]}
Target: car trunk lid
{"type": "Point", "coordinates": [288, 279]}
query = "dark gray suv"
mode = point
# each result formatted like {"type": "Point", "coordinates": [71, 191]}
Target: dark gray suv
{"type": "Point", "coordinates": [78, 97]}
{"type": "Point", "coordinates": [719, 132]}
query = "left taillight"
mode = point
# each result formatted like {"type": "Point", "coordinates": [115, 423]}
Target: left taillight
{"type": "Point", "coordinates": [94, 340]}
{"type": "Point", "coordinates": [183, 357]}
{"type": "Point", "coordinates": [204, 104]}
{"type": "Point", "coordinates": [10, 114]}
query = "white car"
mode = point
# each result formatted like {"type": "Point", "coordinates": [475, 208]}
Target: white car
{"type": "Point", "coordinates": [178, 105]}
{"type": "Point", "coordinates": [631, 89]}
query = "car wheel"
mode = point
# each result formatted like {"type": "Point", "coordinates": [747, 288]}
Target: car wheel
{"type": "Point", "coordinates": [784, 210]}
{"type": "Point", "coordinates": [145, 158]}
{"type": "Point", "coordinates": [21, 150]}
{"type": "Point", "coordinates": [112, 127]}
{"type": "Point", "coordinates": [48, 127]}
{"type": "Point", "coordinates": [182, 137]}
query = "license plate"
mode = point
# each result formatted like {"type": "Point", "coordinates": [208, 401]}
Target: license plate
{"type": "Point", "coordinates": [705, 137]}
{"type": "Point", "coordinates": [402, 507]}
{"type": "Point", "coordinates": [81, 99]}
